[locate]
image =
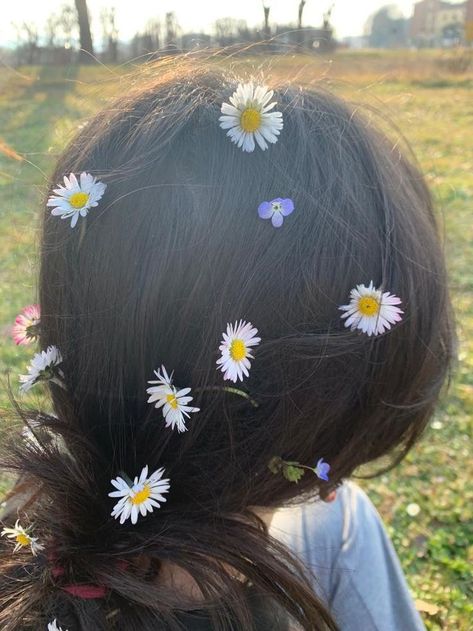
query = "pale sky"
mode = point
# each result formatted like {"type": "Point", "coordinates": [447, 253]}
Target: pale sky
{"type": "Point", "coordinates": [348, 17]}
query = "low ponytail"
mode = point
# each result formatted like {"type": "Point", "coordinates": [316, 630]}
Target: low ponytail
{"type": "Point", "coordinates": [89, 577]}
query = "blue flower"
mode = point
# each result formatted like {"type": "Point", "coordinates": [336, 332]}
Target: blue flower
{"type": "Point", "coordinates": [322, 469]}
{"type": "Point", "coordinates": [277, 209]}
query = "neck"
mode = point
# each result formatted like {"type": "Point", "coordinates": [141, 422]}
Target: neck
{"type": "Point", "coordinates": [181, 582]}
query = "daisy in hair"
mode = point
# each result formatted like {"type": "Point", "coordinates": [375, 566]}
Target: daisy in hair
{"type": "Point", "coordinates": [248, 117]}
{"type": "Point", "coordinates": [76, 197]}
{"type": "Point", "coordinates": [52, 626]}
{"type": "Point", "coordinates": [370, 310]}
{"type": "Point", "coordinates": [173, 401]}
{"type": "Point", "coordinates": [43, 367]}
{"type": "Point", "coordinates": [139, 497]}
{"type": "Point", "coordinates": [236, 350]}
{"type": "Point", "coordinates": [22, 538]}
{"type": "Point", "coordinates": [26, 327]}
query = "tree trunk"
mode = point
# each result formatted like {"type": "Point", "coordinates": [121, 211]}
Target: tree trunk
{"type": "Point", "coordinates": [300, 12]}
{"type": "Point", "coordinates": [86, 53]}
{"type": "Point", "coordinates": [266, 23]}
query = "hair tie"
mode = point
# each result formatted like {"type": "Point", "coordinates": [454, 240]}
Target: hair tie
{"type": "Point", "coordinates": [80, 590]}
{"type": "Point", "coordinates": [86, 592]}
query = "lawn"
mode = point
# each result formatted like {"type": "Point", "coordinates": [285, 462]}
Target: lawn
{"type": "Point", "coordinates": [427, 501]}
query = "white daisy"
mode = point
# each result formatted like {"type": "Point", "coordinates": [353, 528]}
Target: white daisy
{"type": "Point", "coordinates": [22, 538]}
{"type": "Point", "coordinates": [139, 497]}
{"type": "Point", "coordinates": [163, 393]}
{"type": "Point", "coordinates": [76, 198]}
{"type": "Point", "coordinates": [52, 626]}
{"type": "Point", "coordinates": [234, 361]}
{"type": "Point", "coordinates": [43, 367]}
{"type": "Point", "coordinates": [247, 117]}
{"type": "Point", "coordinates": [371, 310]}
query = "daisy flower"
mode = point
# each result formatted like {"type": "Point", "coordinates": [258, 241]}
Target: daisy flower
{"type": "Point", "coordinates": [322, 469]}
{"type": "Point", "coordinates": [173, 401]}
{"type": "Point", "coordinates": [248, 118]}
{"type": "Point", "coordinates": [52, 626]}
{"type": "Point", "coordinates": [371, 310]}
{"type": "Point", "coordinates": [276, 210]}
{"type": "Point", "coordinates": [22, 538]}
{"type": "Point", "coordinates": [43, 367]}
{"type": "Point", "coordinates": [25, 329]}
{"type": "Point", "coordinates": [140, 496]}
{"type": "Point", "coordinates": [236, 350]}
{"type": "Point", "coordinates": [76, 197]}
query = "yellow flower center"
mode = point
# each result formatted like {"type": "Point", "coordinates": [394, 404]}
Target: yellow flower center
{"type": "Point", "coordinates": [237, 350]}
{"type": "Point", "coordinates": [141, 496]}
{"type": "Point", "coordinates": [23, 539]}
{"type": "Point", "coordinates": [78, 200]}
{"type": "Point", "coordinates": [250, 119]}
{"type": "Point", "coordinates": [171, 399]}
{"type": "Point", "coordinates": [368, 306]}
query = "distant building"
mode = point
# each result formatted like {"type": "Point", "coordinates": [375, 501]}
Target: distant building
{"type": "Point", "coordinates": [388, 29]}
{"type": "Point", "coordinates": [439, 23]}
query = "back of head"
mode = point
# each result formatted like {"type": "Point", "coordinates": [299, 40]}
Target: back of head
{"type": "Point", "coordinates": [173, 252]}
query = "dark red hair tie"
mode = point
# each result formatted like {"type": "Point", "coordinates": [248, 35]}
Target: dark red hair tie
{"type": "Point", "coordinates": [80, 590]}
{"type": "Point", "coordinates": [87, 592]}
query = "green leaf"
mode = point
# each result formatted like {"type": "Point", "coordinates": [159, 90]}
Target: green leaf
{"type": "Point", "coordinates": [275, 464]}
{"type": "Point", "coordinates": [292, 473]}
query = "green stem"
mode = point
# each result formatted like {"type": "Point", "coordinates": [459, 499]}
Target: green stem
{"type": "Point", "coordinates": [124, 476]}
{"type": "Point", "coordinates": [298, 464]}
{"type": "Point", "coordinates": [82, 231]}
{"type": "Point", "coordinates": [240, 393]}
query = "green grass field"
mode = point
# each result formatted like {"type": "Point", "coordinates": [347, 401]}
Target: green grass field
{"type": "Point", "coordinates": [430, 98]}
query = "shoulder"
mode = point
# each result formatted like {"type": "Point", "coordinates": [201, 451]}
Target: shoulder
{"type": "Point", "coordinates": [328, 538]}
{"type": "Point", "coordinates": [315, 527]}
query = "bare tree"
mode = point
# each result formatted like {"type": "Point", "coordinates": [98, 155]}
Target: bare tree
{"type": "Point", "coordinates": [61, 35]}
{"type": "Point", "coordinates": [229, 30]}
{"type": "Point", "coordinates": [327, 16]}
{"type": "Point", "coordinates": [266, 9]}
{"type": "Point", "coordinates": [66, 22]}
{"type": "Point", "coordinates": [150, 39]}
{"type": "Point", "coordinates": [147, 42]}
{"type": "Point", "coordinates": [51, 30]}
{"type": "Point", "coordinates": [27, 37]}
{"type": "Point", "coordinates": [110, 33]}
{"type": "Point", "coordinates": [86, 54]}
{"type": "Point", "coordinates": [173, 30]}
{"type": "Point", "coordinates": [302, 4]}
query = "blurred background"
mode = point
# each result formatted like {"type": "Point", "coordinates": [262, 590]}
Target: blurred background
{"type": "Point", "coordinates": [62, 60]}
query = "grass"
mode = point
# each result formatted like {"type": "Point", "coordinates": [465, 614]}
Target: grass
{"type": "Point", "coordinates": [430, 100]}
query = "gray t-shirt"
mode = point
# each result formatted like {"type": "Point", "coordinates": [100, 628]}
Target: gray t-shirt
{"type": "Point", "coordinates": [355, 567]}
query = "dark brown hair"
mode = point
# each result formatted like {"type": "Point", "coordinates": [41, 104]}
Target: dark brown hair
{"type": "Point", "coordinates": [173, 252]}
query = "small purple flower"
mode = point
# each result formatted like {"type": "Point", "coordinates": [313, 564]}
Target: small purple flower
{"type": "Point", "coordinates": [322, 469]}
{"type": "Point", "coordinates": [277, 209]}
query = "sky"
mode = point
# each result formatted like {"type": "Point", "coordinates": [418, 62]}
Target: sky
{"type": "Point", "coordinates": [348, 17]}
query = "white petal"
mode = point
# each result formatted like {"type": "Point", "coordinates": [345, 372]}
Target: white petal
{"type": "Point", "coordinates": [230, 110]}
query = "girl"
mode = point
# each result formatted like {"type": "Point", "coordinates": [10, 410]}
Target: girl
{"type": "Point", "coordinates": [241, 303]}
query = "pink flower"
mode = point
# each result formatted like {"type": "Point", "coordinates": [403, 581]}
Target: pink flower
{"type": "Point", "coordinates": [26, 327]}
